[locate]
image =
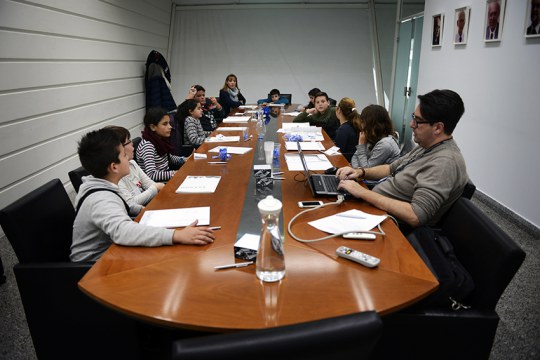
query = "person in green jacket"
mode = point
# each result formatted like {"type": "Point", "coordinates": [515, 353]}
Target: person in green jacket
{"type": "Point", "coordinates": [322, 115]}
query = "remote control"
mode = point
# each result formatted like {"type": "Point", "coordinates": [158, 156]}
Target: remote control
{"type": "Point", "coordinates": [359, 257]}
{"type": "Point", "coordinates": [359, 236]}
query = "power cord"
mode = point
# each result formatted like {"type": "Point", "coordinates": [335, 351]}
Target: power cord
{"type": "Point", "coordinates": [340, 199]}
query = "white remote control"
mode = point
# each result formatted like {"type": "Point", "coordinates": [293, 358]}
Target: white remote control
{"type": "Point", "coordinates": [359, 236]}
{"type": "Point", "coordinates": [359, 257]}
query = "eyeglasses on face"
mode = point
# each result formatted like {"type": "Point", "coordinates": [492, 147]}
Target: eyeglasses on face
{"type": "Point", "coordinates": [127, 143]}
{"type": "Point", "coordinates": [418, 120]}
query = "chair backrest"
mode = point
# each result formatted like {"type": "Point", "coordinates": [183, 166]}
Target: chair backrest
{"type": "Point", "coordinates": [345, 337]}
{"type": "Point", "coordinates": [64, 322]}
{"type": "Point", "coordinates": [39, 225]}
{"type": "Point", "coordinates": [487, 252]}
{"type": "Point", "coordinates": [136, 141]}
{"type": "Point", "coordinates": [75, 176]}
{"type": "Point", "coordinates": [287, 96]}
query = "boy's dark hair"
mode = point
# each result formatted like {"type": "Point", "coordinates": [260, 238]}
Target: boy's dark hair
{"type": "Point", "coordinates": [314, 91]}
{"type": "Point", "coordinates": [199, 88]}
{"type": "Point", "coordinates": [154, 116]}
{"type": "Point", "coordinates": [321, 93]}
{"type": "Point", "coordinates": [97, 150]}
{"type": "Point", "coordinates": [122, 133]}
{"type": "Point", "coordinates": [443, 106]}
{"type": "Point", "coordinates": [274, 92]}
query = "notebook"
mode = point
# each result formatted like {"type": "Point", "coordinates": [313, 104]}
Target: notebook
{"type": "Point", "coordinates": [320, 184]}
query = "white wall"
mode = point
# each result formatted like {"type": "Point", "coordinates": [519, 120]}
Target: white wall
{"type": "Point", "coordinates": [499, 133]}
{"type": "Point", "coordinates": [292, 48]}
{"type": "Point", "coordinates": [68, 67]}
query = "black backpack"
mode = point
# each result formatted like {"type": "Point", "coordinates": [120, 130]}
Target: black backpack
{"type": "Point", "coordinates": [455, 282]}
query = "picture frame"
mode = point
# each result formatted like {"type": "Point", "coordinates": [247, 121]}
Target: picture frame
{"type": "Point", "coordinates": [437, 30]}
{"type": "Point", "coordinates": [461, 27]}
{"type": "Point", "coordinates": [494, 20]}
{"type": "Point", "coordinates": [532, 19]}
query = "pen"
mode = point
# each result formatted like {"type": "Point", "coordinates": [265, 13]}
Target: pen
{"type": "Point", "coordinates": [215, 228]}
{"type": "Point", "coordinates": [277, 173]}
{"type": "Point", "coordinates": [278, 178]}
{"type": "Point", "coordinates": [229, 266]}
{"type": "Point", "coordinates": [350, 216]}
{"type": "Point", "coordinates": [217, 162]}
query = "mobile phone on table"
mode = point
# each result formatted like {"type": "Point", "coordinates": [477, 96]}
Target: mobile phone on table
{"type": "Point", "coordinates": [309, 204]}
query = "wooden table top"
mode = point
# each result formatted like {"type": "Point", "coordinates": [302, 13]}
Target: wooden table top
{"type": "Point", "coordinates": [177, 286]}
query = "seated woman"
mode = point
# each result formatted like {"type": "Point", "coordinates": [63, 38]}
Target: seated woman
{"type": "Point", "coordinates": [377, 143]}
{"type": "Point", "coordinates": [347, 133]}
{"type": "Point", "coordinates": [136, 188]}
{"type": "Point", "coordinates": [187, 118]}
{"type": "Point", "coordinates": [273, 98]}
{"type": "Point", "coordinates": [154, 152]}
{"type": "Point", "coordinates": [230, 96]}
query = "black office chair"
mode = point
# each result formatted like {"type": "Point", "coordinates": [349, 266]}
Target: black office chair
{"type": "Point", "coordinates": [287, 96]}
{"type": "Point", "coordinates": [492, 259]}
{"type": "Point", "coordinates": [63, 322]}
{"type": "Point", "coordinates": [75, 176]}
{"type": "Point", "coordinates": [136, 141]}
{"type": "Point", "coordinates": [39, 224]}
{"type": "Point", "coordinates": [345, 337]}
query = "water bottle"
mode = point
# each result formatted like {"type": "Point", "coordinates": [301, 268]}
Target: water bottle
{"type": "Point", "coordinates": [261, 129]}
{"type": "Point", "coordinates": [270, 258]}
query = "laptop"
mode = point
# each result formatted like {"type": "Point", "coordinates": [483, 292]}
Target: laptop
{"type": "Point", "coordinates": [320, 184]}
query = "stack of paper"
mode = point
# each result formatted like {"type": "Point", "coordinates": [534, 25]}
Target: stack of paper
{"type": "Point", "coordinates": [198, 184]}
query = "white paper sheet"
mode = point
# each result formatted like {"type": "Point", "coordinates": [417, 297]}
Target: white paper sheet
{"type": "Point", "coordinates": [292, 113]}
{"type": "Point", "coordinates": [231, 128]}
{"type": "Point", "coordinates": [221, 138]}
{"type": "Point", "coordinates": [198, 185]}
{"type": "Point", "coordinates": [236, 119]}
{"type": "Point", "coordinates": [173, 218]}
{"type": "Point", "coordinates": [348, 221]}
{"type": "Point", "coordinates": [248, 106]}
{"type": "Point", "coordinates": [305, 145]}
{"type": "Point", "coordinates": [313, 161]}
{"type": "Point", "coordinates": [232, 149]}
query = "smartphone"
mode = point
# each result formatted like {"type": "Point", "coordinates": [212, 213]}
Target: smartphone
{"type": "Point", "coordinates": [309, 204]}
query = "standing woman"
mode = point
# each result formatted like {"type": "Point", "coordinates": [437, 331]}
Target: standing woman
{"type": "Point", "coordinates": [377, 143]}
{"type": "Point", "coordinates": [347, 133]}
{"type": "Point", "coordinates": [230, 96]}
{"type": "Point", "coordinates": [154, 152]}
{"type": "Point", "coordinates": [188, 119]}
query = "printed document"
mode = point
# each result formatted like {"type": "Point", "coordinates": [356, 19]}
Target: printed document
{"type": "Point", "coordinates": [198, 184]}
{"type": "Point", "coordinates": [232, 149]}
{"type": "Point", "coordinates": [305, 145]}
{"type": "Point", "coordinates": [236, 119]}
{"type": "Point", "coordinates": [313, 161]}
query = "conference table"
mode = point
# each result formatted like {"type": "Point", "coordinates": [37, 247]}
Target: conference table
{"type": "Point", "coordinates": [178, 287]}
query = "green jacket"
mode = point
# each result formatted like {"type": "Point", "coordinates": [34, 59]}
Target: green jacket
{"type": "Point", "coordinates": [327, 120]}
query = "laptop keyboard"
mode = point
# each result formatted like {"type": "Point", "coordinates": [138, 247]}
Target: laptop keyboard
{"type": "Point", "coordinates": [331, 183]}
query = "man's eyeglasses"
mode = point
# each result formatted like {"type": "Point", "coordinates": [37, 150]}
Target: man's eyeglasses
{"type": "Point", "coordinates": [418, 120]}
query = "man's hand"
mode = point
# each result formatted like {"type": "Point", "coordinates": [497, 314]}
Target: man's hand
{"type": "Point", "coordinates": [346, 173]}
{"type": "Point", "coordinates": [352, 187]}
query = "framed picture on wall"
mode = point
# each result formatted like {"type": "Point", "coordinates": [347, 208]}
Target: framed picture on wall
{"type": "Point", "coordinates": [438, 22]}
{"type": "Point", "coordinates": [494, 20]}
{"type": "Point", "coordinates": [532, 19]}
{"type": "Point", "coordinates": [461, 27]}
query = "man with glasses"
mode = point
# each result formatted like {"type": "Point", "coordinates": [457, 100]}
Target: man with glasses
{"type": "Point", "coordinates": [422, 185]}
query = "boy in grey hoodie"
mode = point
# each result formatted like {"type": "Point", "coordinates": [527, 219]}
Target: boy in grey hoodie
{"type": "Point", "coordinates": [102, 215]}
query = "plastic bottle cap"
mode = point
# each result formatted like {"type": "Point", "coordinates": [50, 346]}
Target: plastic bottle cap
{"type": "Point", "coordinates": [269, 205]}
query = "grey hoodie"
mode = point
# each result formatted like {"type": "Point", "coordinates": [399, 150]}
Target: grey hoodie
{"type": "Point", "coordinates": [102, 220]}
